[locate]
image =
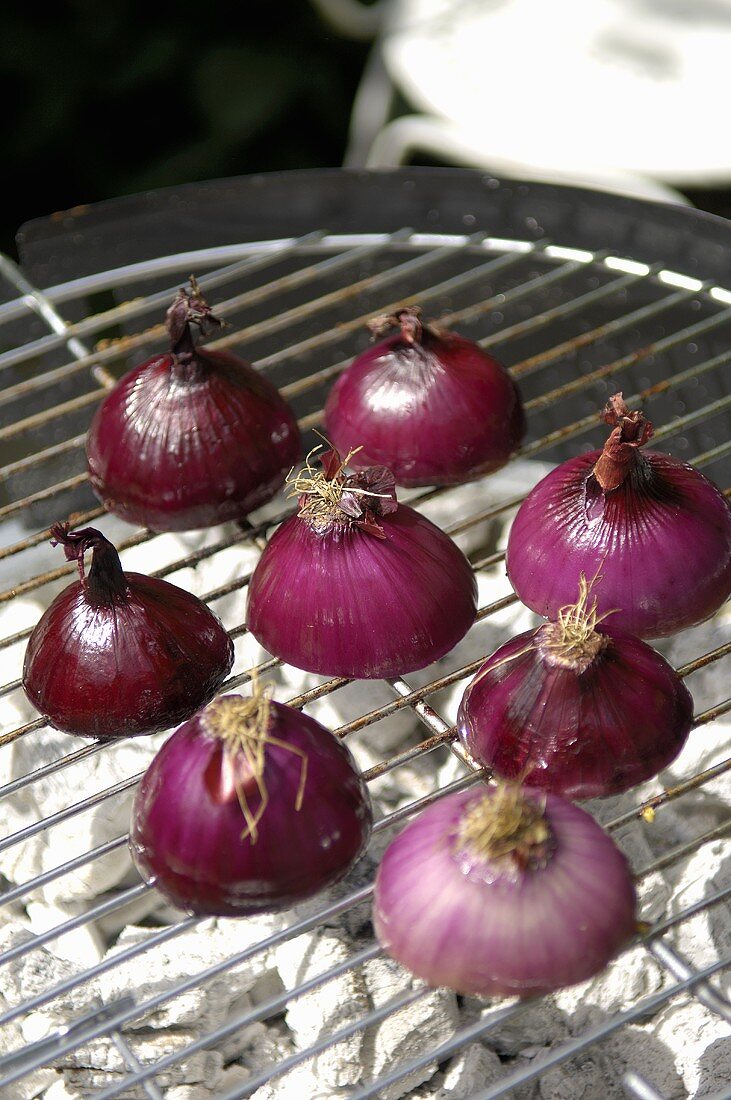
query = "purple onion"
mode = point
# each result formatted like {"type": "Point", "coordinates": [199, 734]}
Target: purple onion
{"type": "Point", "coordinates": [657, 530]}
{"type": "Point", "coordinates": [357, 585]}
{"type": "Point", "coordinates": [503, 892]}
{"type": "Point", "coordinates": [577, 709]}
{"type": "Point", "coordinates": [192, 438]}
{"type": "Point", "coordinates": [429, 404]}
{"type": "Point", "coordinates": [120, 654]}
{"type": "Point", "coordinates": [250, 806]}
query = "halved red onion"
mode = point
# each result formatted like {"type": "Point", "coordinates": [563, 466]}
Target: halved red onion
{"type": "Point", "coordinates": [250, 806]}
{"type": "Point", "coordinates": [192, 438]}
{"type": "Point", "coordinates": [500, 892]}
{"type": "Point", "coordinates": [429, 404]}
{"type": "Point", "coordinates": [121, 654]}
{"type": "Point", "coordinates": [356, 584]}
{"type": "Point", "coordinates": [575, 708]}
{"type": "Point", "coordinates": [657, 530]}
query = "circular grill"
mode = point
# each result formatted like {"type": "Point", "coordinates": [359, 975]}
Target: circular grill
{"type": "Point", "coordinates": [574, 322]}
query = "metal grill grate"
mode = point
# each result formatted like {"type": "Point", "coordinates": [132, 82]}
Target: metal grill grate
{"type": "Point", "coordinates": [574, 326]}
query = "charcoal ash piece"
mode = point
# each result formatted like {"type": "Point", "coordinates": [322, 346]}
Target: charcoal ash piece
{"type": "Point", "coordinates": [81, 832]}
{"type": "Point", "coordinates": [205, 1006]}
{"type": "Point", "coordinates": [705, 937]}
{"type": "Point", "coordinates": [327, 1008]}
{"type": "Point", "coordinates": [100, 1064]}
{"type": "Point", "coordinates": [407, 1033]}
{"type": "Point", "coordinates": [36, 1082]}
{"type": "Point", "coordinates": [467, 1073]}
{"type": "Point", "coordinates": [296, 1084]}
{"type": "Point", "coordinates": [34, 974]}
{"type": "Point", "coordinates": [699, 1044]}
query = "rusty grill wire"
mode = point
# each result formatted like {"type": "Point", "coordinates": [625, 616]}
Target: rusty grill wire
{"type": "Point", "coordinates": [572, 326]}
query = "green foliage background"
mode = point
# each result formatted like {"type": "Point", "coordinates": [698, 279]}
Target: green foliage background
{"type": "Point", "coordinates": [120, 96]}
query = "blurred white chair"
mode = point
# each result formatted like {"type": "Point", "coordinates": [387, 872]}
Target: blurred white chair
{"type": "Point", "coordinates": [625, 95]}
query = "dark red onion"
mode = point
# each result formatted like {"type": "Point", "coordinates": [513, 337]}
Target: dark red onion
{"type": "Point", "coordinates": [192, 438]}
{"type": "Point", "coordinates": [250, 806]}
{"type": "Point", "coordinates": [429, 404]}
{"type": "Point", "coordinates": [120, 654]}
{"type": "Point", "coordinates": [578, 709]}
{"type": "Point", "coordinates": [357, 585]}
{"type": "Point", "coordinates": [503, 892]}
{"type": "Point", "coordinates": [657, 530]}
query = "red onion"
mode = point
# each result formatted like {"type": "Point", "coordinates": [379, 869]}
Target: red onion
{"type": "Point", "coordinates": [657, 530]}
{"type": "Point", "coordinates": [120, 654]}
{"type": "Point", "coordinates": [356, 584]}
{"type": "Point", "coordinates": [578, 709]}
{"type": "Point", "coordinates": [502, 892]}
{"type": "Point", "coordinates": [250, 806]}
{"type": "Point", "coordinates": [429, 404]}
{"type": "Point", "coordinates": [192, 438]}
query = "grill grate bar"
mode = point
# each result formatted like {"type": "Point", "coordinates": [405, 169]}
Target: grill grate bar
{"type": "Point", "coordinates": [566, 309]}
{"type": "Point", "coordinates": [446, 286]}
{"type": "Point", "coordinates": [98, 911]}
{"type": "Point", "coordinates": [647, 809]}
{"type": "Point", "coordinates": [638, 1087]}
{"type": "Point", "coordinates": [151, 1089]}
{"type": "Point", "coordinates": [54, 873]}
{"type": "Point", "coordinates": [157, 331]}
{"type": "Point", "coordinates": [680, 968]}
{"type": "Point", "coordinates": [600, 1031]}
{"type": "Point", "coordinates": [439, 1055]}
{"type": "Point", "coordinates": [687, 849]}
{"type": "Point", "coordinates": [41, 304]}
{"type": "Point", "coordinates": [403, 1000]}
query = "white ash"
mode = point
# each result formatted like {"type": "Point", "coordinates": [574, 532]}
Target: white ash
{"type": "Point", "coordinates": [682, 1050]}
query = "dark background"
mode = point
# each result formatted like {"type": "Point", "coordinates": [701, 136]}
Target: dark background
{"type": "Point", "coordinates": [113, 98]}
{"type": "Point", "coordinates": [107, 99]}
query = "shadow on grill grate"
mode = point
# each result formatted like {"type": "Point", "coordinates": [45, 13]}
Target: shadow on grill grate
{"type": "Point", "coordinates": [102, 987]}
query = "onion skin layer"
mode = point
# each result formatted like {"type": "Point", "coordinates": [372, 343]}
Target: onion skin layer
{"type": "Point", "coordinates": [661, 543]}
{"type": "Point", "coordinates": [453, 921]}
{"type": "Point", "coordinates": [176, 455]}
{"type": "Point", "coordinates": [577, 734]}
{"type": "Point", "coordinates": [187, 841]}
{"type": "Point", "coordinates": [343, 603]}
{"type": "Point", "coordinates": [138, 665]}
{"type": "Point", "coordinates": [440, 411]}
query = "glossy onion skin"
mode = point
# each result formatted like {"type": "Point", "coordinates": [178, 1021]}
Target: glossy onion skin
{"type": "Point", "coordinates": [137, 666]}
{"type": "Point", "coordinates": [188, 843]}
{"type": "Point", "coordinates": [661, 543]}
{"type": "Point", "coordinates": [437, 413]}
{"type": "Point", "coordinates": [345, 603]}
{"type": "Point", "coordinates": [454, 922]}
{"type": "Point", "coordinates": [175, 456]}
{"type": "Point", "coordinates": [577, 734]}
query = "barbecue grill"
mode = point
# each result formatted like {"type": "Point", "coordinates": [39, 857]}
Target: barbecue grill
{"type": "Point", "coordinates": [581, 294]}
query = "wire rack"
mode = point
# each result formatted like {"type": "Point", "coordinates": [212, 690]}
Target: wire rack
{"type": "Point", "coordinates": [572, 325]}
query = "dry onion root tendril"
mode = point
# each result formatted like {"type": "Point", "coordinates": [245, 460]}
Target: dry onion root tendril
{"type": "Point", "coordinates": [243, 724]}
